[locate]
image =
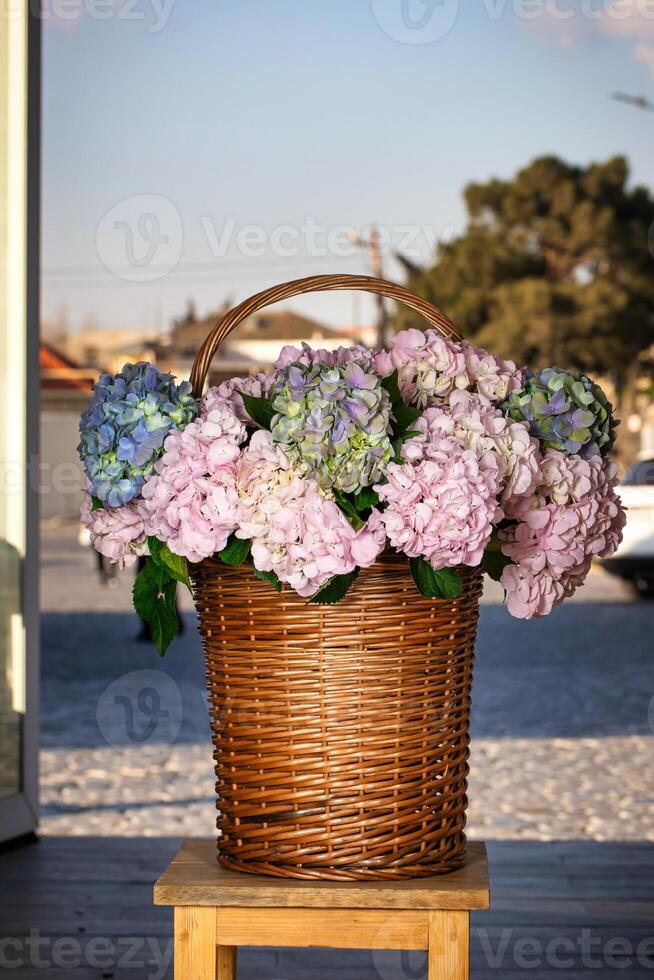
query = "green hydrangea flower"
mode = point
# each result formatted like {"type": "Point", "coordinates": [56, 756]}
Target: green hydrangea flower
{"type": "Point", "coordinates": [566, 411]}
{"type": "Point", "coordinates": [334, 420]}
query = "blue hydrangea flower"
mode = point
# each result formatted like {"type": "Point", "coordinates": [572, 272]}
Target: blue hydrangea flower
{"type": "Point", "coordinates": [335, 420]}
{"type": "Point", "coordinates": [566, 411]}
{"type": "Point", "coordinates": [123, 429]}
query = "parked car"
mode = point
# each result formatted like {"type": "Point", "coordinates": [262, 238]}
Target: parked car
{"type": "Point", "coordinates": [634, 559]}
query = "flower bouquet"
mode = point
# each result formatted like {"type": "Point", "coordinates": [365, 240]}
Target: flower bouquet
{"type": "Point", "coordinates": [334, 517]}
{"type": "Point", "coordinates": [306, 474]}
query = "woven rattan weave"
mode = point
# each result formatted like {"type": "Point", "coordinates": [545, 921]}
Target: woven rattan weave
{"type": "Point", "coordinates": [341, 732]}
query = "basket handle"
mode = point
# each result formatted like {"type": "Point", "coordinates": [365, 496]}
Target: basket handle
{"type": "Point", "coordinates": [310, 284]}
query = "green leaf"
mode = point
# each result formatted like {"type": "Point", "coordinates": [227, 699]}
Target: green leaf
{"type": "Point", "coordinates": [404, 415]}
{"type": "Point", "coordinates": [494, 563]}
{"type": "Point", "coordinates": [260, 410]}
{"type": "Point", "coordinates": [334, 589]}
{"type": "Point", "coordinates": [96, 503]}
{"type": "Point", "coordinates": [175, 564]}
{"type": "Point", "coordinates": [154, 547]}
{"type": "Point", "coordinates": [235, 552]}
{"type": "Point", "coordinates": [392, 387]}
{"type": "Point", "coordinates": [154, 600]}
{"type": "Point", "coordinates": [348, 508]}
{"type": "Point", "coordinates": [365, 498]}
{"type": "Point", "coordinates": [269, 577]}
{"type": "Point", "coordinates": [356, 505]}
{"type": "Point", "coordinates": [443, 583]}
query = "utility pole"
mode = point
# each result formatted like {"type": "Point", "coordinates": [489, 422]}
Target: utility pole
{"type": "Point", "coordinates": [372, 244]}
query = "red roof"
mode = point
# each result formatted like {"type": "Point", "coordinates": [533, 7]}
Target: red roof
{"type": "Point", "coordinates": [59, 373]}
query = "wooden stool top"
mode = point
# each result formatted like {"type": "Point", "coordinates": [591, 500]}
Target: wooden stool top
{"type": "Point", "coordinates": [196, 878]}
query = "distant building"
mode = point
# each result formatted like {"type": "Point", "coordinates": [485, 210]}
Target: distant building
{"type": "Point", "coordinates": [65, 389]}
{"type": "Point", "coordinates": [106, 349]}
{"type": "Point", "coordinates": [62, 379]}
{"type": "Point", "coordinates": [253, 346]}
{"type": "Point", "coordinates": [359, 335]}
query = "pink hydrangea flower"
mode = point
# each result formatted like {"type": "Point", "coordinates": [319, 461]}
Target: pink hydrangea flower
{"type": "Point", "coordinates": [191, 500]}
{"type": "Point", "coordinates": [470, 421]}
{"type": "Point", "coordinates": [383, 363]}
{"type": "Point", "coordinates": [428, 366]}
{"type": "Point", "coordinates": [367, 544]}
{"type": "Point", "coordinates": [574, 517]}
{"type": "Point", "coordinates": [492, 376]}
{"type": "Point", "coordinates": [530, 593]}
{"type": "Point", "coordinates": [297, 531]}
{"type": "Point", "coordinates": [565, 477]}
{"type": "Point", "coordinates": [227, 394]}
{"type": "Point", "coordinates": [118, 533]}
{"type": "Point", "coordinates": [522, 461]}
{"type": "Point", "coordinates": [441, 508]}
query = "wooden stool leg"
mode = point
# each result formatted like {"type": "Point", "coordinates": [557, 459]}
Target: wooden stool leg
{"type": "Point", "coordinates": [195, 943]}
{"type": "Point", "coordinates": [449, 941]}
{"type": "Point", "coordinates": [226, 963]}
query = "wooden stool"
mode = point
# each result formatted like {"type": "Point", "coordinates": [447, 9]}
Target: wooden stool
{"type": "Point", "coordinates": [216, 911]}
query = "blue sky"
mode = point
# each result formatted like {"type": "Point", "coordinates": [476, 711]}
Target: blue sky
{"type": "Point", "coordinates": [209, 148]}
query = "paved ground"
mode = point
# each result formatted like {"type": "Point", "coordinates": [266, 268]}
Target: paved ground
{"type": "Point", "coordinates": [562, 718]}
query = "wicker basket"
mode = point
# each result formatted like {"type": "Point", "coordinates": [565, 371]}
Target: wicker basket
{"type": "Point", "coordinates": [341, 732]}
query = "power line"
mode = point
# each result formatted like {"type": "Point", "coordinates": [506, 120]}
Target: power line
{"type": "Point", "coordinates": [87, 276]}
